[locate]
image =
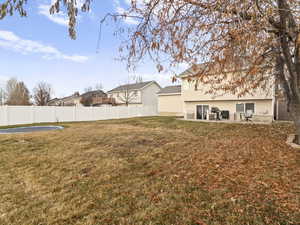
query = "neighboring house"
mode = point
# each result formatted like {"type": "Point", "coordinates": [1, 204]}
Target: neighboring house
{"type": "Point", "coordinates": [73, 100]}
{"type": "Point", "coordinates": [198, 104]}
{"type": "Point", "coordinates": [96, 98]}
{"type": "Point", "coordinates": [143, 93]}
{"type": "Point", "coordinates": [170, 102]}
{"type": "Point", "coordinates": [53, 102]}
{"type": "Point", "coordinates": [91, 98]}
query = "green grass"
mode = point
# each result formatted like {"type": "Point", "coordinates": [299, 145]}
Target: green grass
{"type": "Point", "coordinates": [155, 170]}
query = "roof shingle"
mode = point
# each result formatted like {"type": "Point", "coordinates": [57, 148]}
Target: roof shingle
{"type": "Point", "coordinates": [128, 87]}
{"type": "Point", "coordinates": [170, 90]}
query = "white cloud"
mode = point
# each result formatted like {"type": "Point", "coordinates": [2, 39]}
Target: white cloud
{"type": "Point", "coordinates": [13, 42]}
{"type": "Point", "coordinates": [58, 18]}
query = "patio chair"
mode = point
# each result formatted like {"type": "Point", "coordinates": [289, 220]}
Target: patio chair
{"type": "Point", "coordinates": [249, 115]}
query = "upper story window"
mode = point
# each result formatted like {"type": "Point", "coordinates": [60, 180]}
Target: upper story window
{"type": "Point", "coordinates": [135, 93]}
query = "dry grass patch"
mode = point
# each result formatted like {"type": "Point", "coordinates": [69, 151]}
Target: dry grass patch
{"type": "Point", "coordinates": [150, 171]}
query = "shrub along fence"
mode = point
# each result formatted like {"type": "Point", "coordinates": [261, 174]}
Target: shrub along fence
{"type": "Point", "coordinates": [14, 115]}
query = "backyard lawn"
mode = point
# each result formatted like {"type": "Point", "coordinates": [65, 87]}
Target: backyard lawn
{"type": "Point", "coordinates": [150, 171]}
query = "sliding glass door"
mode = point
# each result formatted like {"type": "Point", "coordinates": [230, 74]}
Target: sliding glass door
{"type": "Point", "coordinates": [202, 111]}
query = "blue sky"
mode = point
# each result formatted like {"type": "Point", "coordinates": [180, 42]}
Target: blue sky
{"type": "Point", "coordinates": [38, 48]}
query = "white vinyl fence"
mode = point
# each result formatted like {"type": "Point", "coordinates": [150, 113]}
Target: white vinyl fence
{"type": "Point", "coordinates": [13, 115]}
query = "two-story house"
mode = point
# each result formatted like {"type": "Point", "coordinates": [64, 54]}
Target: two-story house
{"type": "Point", "coordinates": [199, 104]}
{"type": "Point", "coordinates": [143, 93]}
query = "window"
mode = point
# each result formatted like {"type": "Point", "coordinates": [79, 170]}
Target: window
{"type": "Point", "coordinates": [135, 93]}
{"type": "Point", "coordinates": [249, 107]}
{"type": "Point", "coordinates": [240, 108]}
{"type": "Point", "coordinates": [243, 108]}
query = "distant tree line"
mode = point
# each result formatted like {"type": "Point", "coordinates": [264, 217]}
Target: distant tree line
{"type": "Point", "coordinates": [15, 92]}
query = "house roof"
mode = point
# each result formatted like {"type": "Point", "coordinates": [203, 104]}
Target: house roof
{"type": "Point", "coordinates": [92, 93]}
{"type": "Point", "coordinates": [135, 86]}
{"type": "Point", "coordinates": [53, 100]}
{"type": "Point", "coordinates": [75, 95]}
{"type": "Point", "coordinates": [170, 90]}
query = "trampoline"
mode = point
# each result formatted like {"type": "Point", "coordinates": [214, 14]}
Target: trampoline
{"type": "Point", "coordinates": [29, 129]}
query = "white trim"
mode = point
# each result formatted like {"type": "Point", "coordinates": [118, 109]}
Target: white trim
{"type": "Point", "coordinates": [221, 100]}
{"type": "Point", "coordinates": [152, 82]}
{"type": "Point", "coordinates": [166, 94]}
{"type": "Point", "coordinates": [112, 92]}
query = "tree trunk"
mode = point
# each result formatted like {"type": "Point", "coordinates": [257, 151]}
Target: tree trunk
{"type": "Point", "coordinates": [295, 111]}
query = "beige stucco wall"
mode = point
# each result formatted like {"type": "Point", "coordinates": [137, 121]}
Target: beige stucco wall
{"type": "Point", "coordinates": [170, 105]}
{"type": "Point", "coordinates": [149, 94]}
{"type": "Point", "coordinates": [263, 108]}
{"type": "Point", "coordinates": [146, 96]}
{"type": "Point", "coordinates": [190, 94]}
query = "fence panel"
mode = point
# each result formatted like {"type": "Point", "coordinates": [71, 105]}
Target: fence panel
{"type": "Point", "coordinates": [19, 115]}
{"type": "Point", "coordinates": [64, 114]}
{"type": "Point", "coordinates": [44, 114]}
{"type": "Point", "coordinates": [13, 115]}
{"type": "Point", "coordinates": [3, 115]}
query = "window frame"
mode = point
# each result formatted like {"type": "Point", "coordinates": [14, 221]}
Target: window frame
{"type": "Point", "coordinates": [245, 107]}
{"type": "Point", "coordinates": [250, 109]}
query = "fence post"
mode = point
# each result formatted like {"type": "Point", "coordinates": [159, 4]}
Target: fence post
{"type": "Point", "coordinates": [6, 119]}
{"type": "Point", "coordinates": [32, 114]}
{"type": "Point", "coordinates": [74, 113]}
{"type": "Point", "coordinates": [54, 114]}
{"type": "Point", "coordinates": [140, 110]}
